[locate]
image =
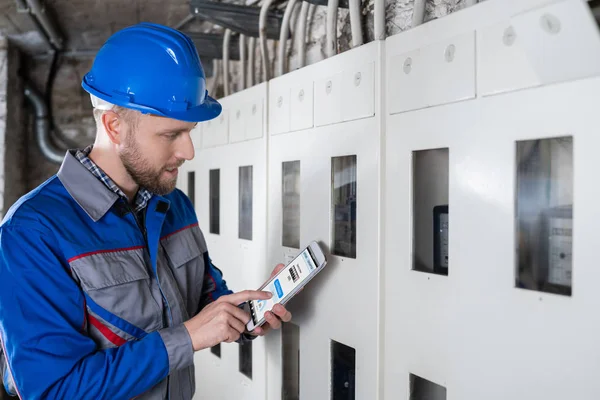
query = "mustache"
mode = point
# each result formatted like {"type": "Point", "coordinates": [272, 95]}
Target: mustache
{"type": "Point", "coordinates": [179, 164]}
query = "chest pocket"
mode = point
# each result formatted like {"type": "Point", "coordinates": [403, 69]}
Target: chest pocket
{"type": "Point", "coordinates": [184, 254]}
{"type": "Point", "coordinates": [118, 281]}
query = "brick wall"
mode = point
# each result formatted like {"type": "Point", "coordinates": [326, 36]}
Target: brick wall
{"type": "Point", "coordinates": [13, 129]}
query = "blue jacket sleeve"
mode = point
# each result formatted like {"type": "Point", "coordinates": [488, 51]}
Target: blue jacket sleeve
{"type": "Point", "coordinates": [42, 319]}
{"type": "Point", "coordinates": [214, 284]}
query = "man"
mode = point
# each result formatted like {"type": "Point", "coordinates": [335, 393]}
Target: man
{"type": "Point", "coordinates": [106, 285]}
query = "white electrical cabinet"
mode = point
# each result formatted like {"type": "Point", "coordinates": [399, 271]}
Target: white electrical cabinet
{"type": "Point", "coordinates": [229, 177]}
{"type": "Point", "coordinates": [488, 279]}
{"type": "Point", "coordinates": [483, 121]}
{"type": "Point", "coordinates": [324, 168]}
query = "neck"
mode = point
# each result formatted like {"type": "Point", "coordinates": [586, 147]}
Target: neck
{"type": "Point", "coordinates": [107, 159]}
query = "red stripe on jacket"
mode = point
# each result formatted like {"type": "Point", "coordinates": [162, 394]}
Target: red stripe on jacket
{"type": "Point", "coordinates": [91, 253]}
{"type": "Point", "coordinates": [107, 333]}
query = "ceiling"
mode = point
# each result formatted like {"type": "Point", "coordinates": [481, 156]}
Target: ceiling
{"type": "Point", "coordinates": [86, 24]}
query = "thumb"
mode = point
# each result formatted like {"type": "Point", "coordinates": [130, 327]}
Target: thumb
{"type": "Point", "coordinates": [278, 268]}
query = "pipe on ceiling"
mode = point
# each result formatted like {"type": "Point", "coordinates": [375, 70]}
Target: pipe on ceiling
{"type": "Point", "coordinates": [251, 69]}
{"type": "Point", "coordinates": [331, 44]}
{"type": "Point", "coordinates": [379, 16]}
{"type": "Point", "coordinates": [418, 13]}
{"type": "Point", "coordinates": [42, 125]}
{"type": "Point", "coordinates": [226, 40]}
{"type": "Point", "coordinates": [242, 62]}
{"type": "Point", "coordinates": [262, 30]}
{"type": "Point", "coordinates": [301, 34]}
{"type": "Point", "coordinates": [216, 76]}
{"type": "Point", "coordinates": [283, 34]}
{"type": "Point", "coordinates": [39, 12]}
{"type": "Point", "coordinates": [357, 35]}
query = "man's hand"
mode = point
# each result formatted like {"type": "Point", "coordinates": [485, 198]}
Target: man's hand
{"type": "Point", "coordinates": [275, 317]}
{"type": "Point", "coordinates": [222, 320]}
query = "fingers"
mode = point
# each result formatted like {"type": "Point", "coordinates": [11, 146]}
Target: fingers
{"type": "Point", "coordinates": [260, 331]}
{"type": "Point", "coordinates": [278, 268]}
{"type": "Point", "coordinates": [237, 313]}
{"type": "Point", "coordinates": [281, 312]}
{"type": "Point", "coordinates": [245, 295]}
{"type": "Point", "coordinates": [237, 324]}
{"type": "Point", "coordinates": [272, 320]}
{"type": "Point", "coordinates": [232, 336]}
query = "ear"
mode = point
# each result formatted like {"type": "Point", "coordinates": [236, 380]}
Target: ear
{"type": "Point", "coordinates": [113, 126]}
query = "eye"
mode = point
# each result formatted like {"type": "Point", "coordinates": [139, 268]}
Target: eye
{"type": "Point", "coordinates": [171, 136]}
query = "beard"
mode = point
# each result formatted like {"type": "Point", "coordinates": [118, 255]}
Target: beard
{"type": "Point", "coordinates": [143, 173]}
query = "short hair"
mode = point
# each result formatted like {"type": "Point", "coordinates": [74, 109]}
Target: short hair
{"type": "Point", "coordinates": [100, 106]}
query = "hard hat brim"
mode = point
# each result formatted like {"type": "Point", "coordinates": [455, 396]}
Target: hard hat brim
{"type": "Point", "coordinates": [208, 110]}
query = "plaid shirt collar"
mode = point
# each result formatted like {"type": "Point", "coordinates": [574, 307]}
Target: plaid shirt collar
{"type": "Point", "coordinates": [143, 195]}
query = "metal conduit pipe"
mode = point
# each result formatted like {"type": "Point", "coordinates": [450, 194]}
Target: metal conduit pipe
{"type": "Point", "coordinates": [42, 125]}
{"type": "Point", "coordinates": [36, 8]}
{"type": "Point", "coordinates": [226, 40]}
{"type": "Point", "coordinates": [301, 34]}
{"type": "Point", "coordinates": [242, 62]}
{"type": "Point", "coordinates": [216, 76]}
{"type": "Point", "coordinates": [184, 21]}
{"type": "Point", "coordinates": [357, 36]}
{"type": "Point", "coordinates": [418, 13]}
{"type": "Point", "coordinates": [331, 45]}
{"type": "Point", "coordinates": [470, 2]}
{"type": "Point", "coordinates": [283, 34]}
{"type": "Point", "coordinates": [262, 30]}
{"type": "Point", "coordinates": [379, 16]}
{"type": "Point", "coordinates": [251, 69]}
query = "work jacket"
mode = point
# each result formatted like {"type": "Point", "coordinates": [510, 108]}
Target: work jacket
{"type": "Point", "coordinates": [93, 297]}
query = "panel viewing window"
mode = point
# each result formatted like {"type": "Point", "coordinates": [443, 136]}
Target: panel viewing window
{"type": "Point", "coordinates": [430, 211]}
{"type": "Point", "coordinates": [216, 350]}
{"type": "Point", "coordinates": [192, 187]}
{"type": "Point", "coordinates": [245, 361]}
{"type": "Point", "coordinates": [544, 215]}
{"type": "Point", "coordinates": [422, 389]}
{"type": "Point", "coordinates": [214, 204]}
{"type": "Point", "coordinates": [291, 361]}
{"type": "Point", "coordinates": [290, 187]}
{"type": "Point", "coordinates": [245, 203]}
{"type": "Point", "coordinates": [343, 196]}
{"type": "Point", "coordinates": [343, 371]}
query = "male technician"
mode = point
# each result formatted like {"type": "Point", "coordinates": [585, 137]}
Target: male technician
{"type": "Point", "coordinates": [106, 286]}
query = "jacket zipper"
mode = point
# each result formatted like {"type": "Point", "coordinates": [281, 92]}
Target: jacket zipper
{"type": "Point", "coordinates": [144, 231]}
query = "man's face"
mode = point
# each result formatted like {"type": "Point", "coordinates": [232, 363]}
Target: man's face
{"type": "Point", "coordinates": [153, 149]}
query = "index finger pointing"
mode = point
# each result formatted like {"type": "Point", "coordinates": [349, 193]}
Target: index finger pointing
{"type": "Point", "coordinates": [245, 295]}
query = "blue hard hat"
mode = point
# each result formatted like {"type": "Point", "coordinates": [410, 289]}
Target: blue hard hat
{"type": "Point", "coordinates": [153, 69]}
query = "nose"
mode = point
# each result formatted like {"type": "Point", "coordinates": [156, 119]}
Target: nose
{"type": "Point", "coordinates": [185, 147]}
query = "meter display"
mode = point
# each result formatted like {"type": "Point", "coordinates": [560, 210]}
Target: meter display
{"type": "Point", "coordinates": [440, 239]}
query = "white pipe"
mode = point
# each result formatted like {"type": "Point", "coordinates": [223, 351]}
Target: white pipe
{"type": "Point", "coordinates": [331, 45]}
{"type": "Point", "coordinates": [469, 3]}
{"type": "Point", "coordinates": [301, 35]}
{"type": "Point", "coordinates": [418, 13]}
{"type": "Point", "coordinates": [283, 34]}
{"type": "Point", "coordinates": [242, 62]}
{"type": "Point", "coordinates": [294, 19]}
{"type": "Point", "coordinates": [262, 30]}
{"type": "Point", "coordinates": [379, 19]}
{"type": "Point", "coordinates": [251, 69]}
{"type": "Point", "coordinates": [216, 77]}
{"type": "Point", "coordinates": [357, 36]}
{"type": "Point", "coordinates": [226, 40]}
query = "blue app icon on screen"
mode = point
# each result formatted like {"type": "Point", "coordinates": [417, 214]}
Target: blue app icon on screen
{"type": "Point", "coordinates": [278, 288]}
